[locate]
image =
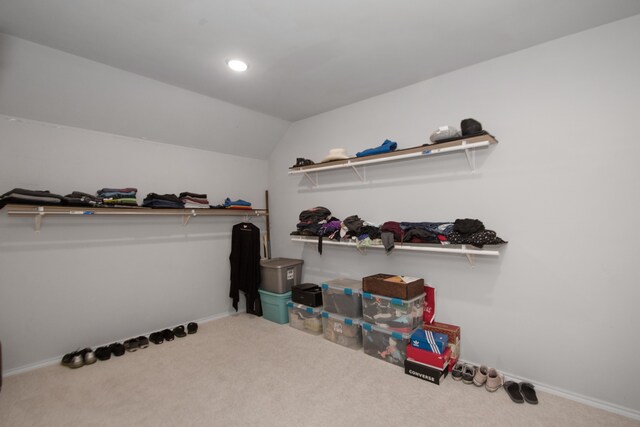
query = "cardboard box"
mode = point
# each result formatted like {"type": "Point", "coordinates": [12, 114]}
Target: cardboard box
{"type": "Point", "coordinates": [388, 285]}
{"type": "Point", "coordinates": [425, 372]}
{"type": "Point", "coordinates": [431, 341]}
{"type": "Point", "coordinates": [452, 331]}
{"type": "Point", "coordinates": [429, 358]}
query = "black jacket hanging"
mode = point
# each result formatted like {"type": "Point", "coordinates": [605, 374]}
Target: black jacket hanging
{"type": "Point", "coordinates": [245, 265]}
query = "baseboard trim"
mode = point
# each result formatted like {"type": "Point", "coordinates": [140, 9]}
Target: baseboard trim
{"type": "Point", "coordinates": [56, 360]}
{"type": "Point", "coordinates": [576, 397]}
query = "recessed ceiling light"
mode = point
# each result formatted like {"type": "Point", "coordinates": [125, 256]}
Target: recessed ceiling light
{"type": "Point", "coordinates": [237, 65]}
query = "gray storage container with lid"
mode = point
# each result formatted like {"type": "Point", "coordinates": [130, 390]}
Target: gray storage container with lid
{"type": "Point", "coordinates": [279, 275]}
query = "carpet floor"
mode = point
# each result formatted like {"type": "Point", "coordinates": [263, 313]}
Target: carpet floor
{"type": "Point", "coordinates": [243, 370]}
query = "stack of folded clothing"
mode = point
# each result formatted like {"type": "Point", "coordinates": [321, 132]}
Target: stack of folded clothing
{"type": "Point", "coordinates": [193, 200]}
{"type": "Point", "coordinates": [472, 231]}
{"type": "Point", "coordinates": [236, 204]}
{"type": "Point", "coordinates": [154, 200]}
{"type": "Point", "coordinates": [31, 197]}
{"type": "Point", "coordinates": [78, 198]}
{"type": "Point", "coordinates": [118, 196]}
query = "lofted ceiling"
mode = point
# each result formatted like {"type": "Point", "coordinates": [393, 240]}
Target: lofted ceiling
{"type": "Point", "coordinates": [304, 57]}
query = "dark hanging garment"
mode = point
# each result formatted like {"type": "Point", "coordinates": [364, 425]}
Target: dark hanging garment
{"type": "Point", "coordinates": [245, 266]}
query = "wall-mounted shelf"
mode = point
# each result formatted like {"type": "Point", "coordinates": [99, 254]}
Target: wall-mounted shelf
{"type": "Point", "coordinates": [357, 164]}
{"type": "Point", "coordinates": [467, 250]}
{"type": "Point", "coordinates": [39, 212]}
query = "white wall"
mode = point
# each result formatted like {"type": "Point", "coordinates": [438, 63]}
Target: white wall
{"type": "Point", "coordinates": [93, 280]}
{"type": "Point", "coordinates": [560, 305]}
{"type": "Point", "coordinates": [45, 84]}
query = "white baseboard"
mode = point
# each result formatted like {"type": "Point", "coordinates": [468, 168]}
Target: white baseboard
{"type": "Point", "coordinates": [576, 397]}
{"type": "Point", "coordinates": [56, 360]}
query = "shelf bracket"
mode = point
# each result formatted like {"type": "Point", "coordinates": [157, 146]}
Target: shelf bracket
{"type": "Point", "coordinates": [187, 217]}
{"type": "Point", "coordinates": [314, 183]}
{"type": "Point", "coordinates": [38, 218]}
{"type": "Point", "coordinates": [361, 176]}
{"type": "Point", "coordinates": [470, 257]}
{"type": "Point", "coordinates": [471, 157]}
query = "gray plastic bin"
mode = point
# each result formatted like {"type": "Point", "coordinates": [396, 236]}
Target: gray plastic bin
{"type": "Point", "coordinates": [279, 275]}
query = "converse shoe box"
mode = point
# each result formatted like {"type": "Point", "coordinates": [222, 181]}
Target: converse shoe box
{"type": "Point", "coordinates": [425, 372]}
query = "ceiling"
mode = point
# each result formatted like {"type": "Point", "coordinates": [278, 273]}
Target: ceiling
{"type": "Point", "coordinates": [305, 57]}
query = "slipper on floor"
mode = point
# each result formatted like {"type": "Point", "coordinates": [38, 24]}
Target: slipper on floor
{"type": "Point", "coordinates": [156, 338]}
{"type": "Point", "coordinates": [117, 349]}
{"type": "Point", "coordinates": [179, 331]}
{"type": "Point", "coordinates": [167, 335]}
{"type": "Point", "coordinates": [192, 328]}
{"type": "Point", "coordinates": [103, 353]}
{"type": "Point", "coordinates": [513, 390]}
{"type": "Point", "coordinates": [131, 344]}
{"type": "Point", "coordinates": [529, 393]}
{"type": "Point", "coordinates": [143, 342]}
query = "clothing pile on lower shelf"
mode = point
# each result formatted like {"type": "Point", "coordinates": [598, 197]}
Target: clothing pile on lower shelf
{"type": "Point", "coordinates": [31, 197]}
{"type": "Point", "coordinates": [318, 221]}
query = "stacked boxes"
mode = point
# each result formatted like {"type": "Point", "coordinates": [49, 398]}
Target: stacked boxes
{"type": "Point", "coordinates": [392, 313]}
{"type": "Point", "coordinates": [392, 310]}
{"type": "Point", "coordinates": [428, 356]}
{"type": "Point", "coordinates": [385, 344]}
{"type": "Point", "coordinates": [278, 276]}
{"type": "Point", "coordinates": [305, 318]}
{"type": "Point", "coordinates": [342, 315]}
{"type": "Point", "coordinates": [342, 330]}
{"type": "Point", "coordinates": [453, 335]}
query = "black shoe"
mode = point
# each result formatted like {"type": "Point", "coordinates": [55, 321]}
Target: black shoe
{"type": "Point", "coordinates": [167, 335]}
{"type": "Point", "coordinates": [156, 338]}
{"type": "Point", "coordinates": [103, 353]}
{"type": "Point", "coordinates": [117, 349]}
{"type": "Point", "coordinates": [143, 342]}
{"type": "Point", "coordinates": [192, 328]}
{"type": "Point", "coordinates": [131, 344]}
{"type": "Point", "coordinates": [179, 332]}
{"type": "Point", "coordinates": [73, 360]}
{"type": "Point", "coordinates": [88, 356]}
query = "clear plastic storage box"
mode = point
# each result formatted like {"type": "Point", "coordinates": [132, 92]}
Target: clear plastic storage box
{"type": "Point", "coordinates": [305, 318]}
{"type": "Point", "coordinates": [390, 346]}
{"type": "Point", "coordinates": [343, 297]}
{"type": "Point", "coordinates": [393, 313]}
{"type": "Point", "coordinates": [342, 330]}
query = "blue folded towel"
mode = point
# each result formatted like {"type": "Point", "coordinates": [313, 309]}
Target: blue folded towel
{"type": "Point", "coordinates": [386, 147]}
{"type": "Point", "coordinates": [228, 202]}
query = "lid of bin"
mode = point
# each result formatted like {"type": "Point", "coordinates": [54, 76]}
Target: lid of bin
{"type": "Point", "coordinates": [280, 262]}
{"type": "Point", "coordinates": [348, 286]}
{"type": "Point", "coordinates": [343, 319]}
{"type": "Point", "coordinates": [394, 301]}
{"type": "Point", "coordinates": [395, 334]}
{"type": "Point", "coordinates": [306, 308]}
{"type": "Point", "coordinates": [286, 295]}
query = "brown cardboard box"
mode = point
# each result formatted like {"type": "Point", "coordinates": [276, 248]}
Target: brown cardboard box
{"type": "Point", "coordinates": [452, 331]}
{"type": "Point", "coordinates": [392, 286]}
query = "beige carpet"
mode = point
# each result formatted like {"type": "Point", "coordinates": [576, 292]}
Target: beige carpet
{"type": "Point", "coordinates": [247, 371]}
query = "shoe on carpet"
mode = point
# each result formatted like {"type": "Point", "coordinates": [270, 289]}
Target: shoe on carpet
{"type": "Point", "coordinates": [167, 335]}
{"type": "Point", "coordinates": [156, 338]}
{"type": "Point", "coordinates": [73, 360]}
{"type": "Point", "coordinates": [103, 353]}
{"type": "Point", "coordinates": [494, 380]}
{"type": "Point", "coordinates": [529, 393]}
{"type": "Point", "coordinates": [117, 349]}
{"type": "Point", "coordinates": [88, 356]}
{"type": "Point", "coordinates": [513, 390]}
{"type": "Point", "coordinates": [456, 373]}
{"type": "Point", "coordinates": [481, 376]}
{"type": "Point", "coordinates": [131, 344]}
{"type": "Point", "coordinates": [143, 342]}
{"type": "Point", "coordinates": [192, 328]}
{"type": "Point", "coordinates": [179, 332]}
{"type": "Point", "coordinates": [468, 372]}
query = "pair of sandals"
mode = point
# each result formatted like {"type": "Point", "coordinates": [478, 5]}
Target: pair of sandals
{"type": "Point", "coordinates": [521, 392]}
{"type": "Point", "coordinates": [169, 334]}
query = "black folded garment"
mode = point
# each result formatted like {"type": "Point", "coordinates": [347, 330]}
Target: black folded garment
{"type": "Point", "coordinates": [197, 196]}
{"type": "Point", "coordinates": [31, 197]}
{"type": "Point", "coordinates": [78, 198]}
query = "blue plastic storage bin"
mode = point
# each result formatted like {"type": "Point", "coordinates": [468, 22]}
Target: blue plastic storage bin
{"type": "Point", "coordinates": [274, 306]}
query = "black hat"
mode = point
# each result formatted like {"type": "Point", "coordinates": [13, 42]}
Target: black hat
{"type": "Point", "coordinates": [471, 127]}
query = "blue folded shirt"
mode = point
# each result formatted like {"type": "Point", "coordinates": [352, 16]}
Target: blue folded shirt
{"type": "Point", "coordinates": [228, 202]}
{"type": "Point", "coordinates": [386, 147]}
